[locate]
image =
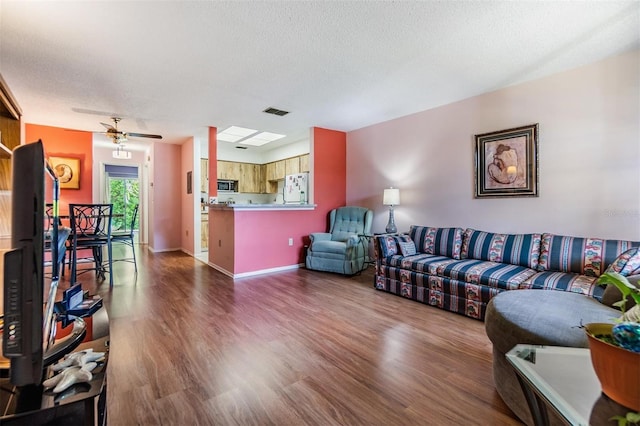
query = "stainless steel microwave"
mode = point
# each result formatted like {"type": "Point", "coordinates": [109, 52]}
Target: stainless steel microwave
{"type": "Point", "coordinates": [227, 185]}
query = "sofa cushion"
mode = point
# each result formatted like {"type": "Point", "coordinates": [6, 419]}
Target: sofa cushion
{"type": "Point", "coordinates": [407, 248]}
{"type": "Point", "coordinates": [438, 241]}
{"type": "Point", "coordinates": [585, 256]}
{"type": "Point", "coordinates": [627, 263]}
{"type": "Point", "coordinates": [491, 274]}
{"type": "Point", "coordinates": [389, 244]}
{"type": "Point", "coordinates": [566, 281]}
{"type": "Point", "coordinates": [516, 249]}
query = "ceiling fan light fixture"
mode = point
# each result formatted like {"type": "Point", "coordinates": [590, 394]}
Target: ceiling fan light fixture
{"type": "Point", "coordinates": [121, 154]}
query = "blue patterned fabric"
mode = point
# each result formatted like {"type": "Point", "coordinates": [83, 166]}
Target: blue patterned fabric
{"type": "Point", "coordinates": [461, 272]}
{"type": "Point", "coordinates": [389, 244]}
{"type": "Point", "coordinates": [565, 281]}
{"type": "Point", "coordinates": [439, 241]}
{"type": "Point", "coordinates": [586, 256]}
{"type": "Point", "coordinates": [627, 263]}
{"type": "Point", "coordinates": [444, 293]}
{"type": "Point", "coordinates": [407, 248]}
{"type": "Point", "coordinates": [516, 249]}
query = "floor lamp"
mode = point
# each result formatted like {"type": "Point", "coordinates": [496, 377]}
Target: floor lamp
{"type": "Point", "coordinates": [391, 197]}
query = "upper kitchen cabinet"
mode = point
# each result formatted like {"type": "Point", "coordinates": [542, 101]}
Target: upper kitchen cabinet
{"type": "Point", "coordinates": [304, 163]}
{"type": "Point", "coordinates": [292, 166]}
{"type": "Point", "coordinates": [229, 170]}
{"type": "Point", "coordinates": [275, 170]}
{"type": "Point", "coordinates": [204, 175]}
{"type": "Point", "coordinates": [251, 178]}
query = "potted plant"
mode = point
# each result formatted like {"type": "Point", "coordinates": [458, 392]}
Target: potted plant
{"type": "Point", "coordinates": [615, 348]}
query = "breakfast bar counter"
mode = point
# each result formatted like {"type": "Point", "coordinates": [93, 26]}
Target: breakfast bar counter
{"type": "Point", "coordinates": [260, 207]}
{"type": "Point", "coordinates": [249, 239]}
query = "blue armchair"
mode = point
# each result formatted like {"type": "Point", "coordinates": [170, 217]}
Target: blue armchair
{"type": "Point", "coordinates": [343, 249]}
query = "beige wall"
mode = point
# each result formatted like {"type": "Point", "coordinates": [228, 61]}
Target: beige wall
{"type": "Point", "coordinates": [589, 157]}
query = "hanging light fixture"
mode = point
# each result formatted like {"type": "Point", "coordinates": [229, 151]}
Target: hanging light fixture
{"type": "Point", "coordinates": [121, 154]}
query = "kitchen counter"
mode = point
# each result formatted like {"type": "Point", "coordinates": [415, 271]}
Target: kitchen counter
{"type": "Point", "coordinates": [259, 207]}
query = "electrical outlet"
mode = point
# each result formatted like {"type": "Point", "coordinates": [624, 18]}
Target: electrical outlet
{"type": "Point", "coordinates": [290, 241]}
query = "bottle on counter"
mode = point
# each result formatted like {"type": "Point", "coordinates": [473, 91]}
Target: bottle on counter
{"type": "Point", "coordinates": [303, 200]}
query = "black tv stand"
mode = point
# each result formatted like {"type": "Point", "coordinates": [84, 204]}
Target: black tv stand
{"type": "Point", "coordinates": [81, 404]}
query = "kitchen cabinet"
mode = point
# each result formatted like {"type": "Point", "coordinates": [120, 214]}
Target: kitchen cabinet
{"type": "Point", "coordinates": [275, 170]}
{"type": "Point", "coordinates": [261, 178]}
{"type": "Point", "coordinates": [292, 166]}
{"type": "Point", "coordinates": [251, 178]}
{"type": "Point", "coordinates": [229, 170]}
{"type": "Point", "coordinates": [204, 175]}
{"type": "Point", "coordinates": [204, 232]}
{"type": "Point", "coordinates": [304, 163]}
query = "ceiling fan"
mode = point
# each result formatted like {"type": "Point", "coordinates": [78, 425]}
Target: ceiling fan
{"type": "Point", "coordinates": [118, 136]}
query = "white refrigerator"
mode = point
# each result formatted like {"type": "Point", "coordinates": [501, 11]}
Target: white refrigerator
{"type": "Point", "coordinates": [296, 188]}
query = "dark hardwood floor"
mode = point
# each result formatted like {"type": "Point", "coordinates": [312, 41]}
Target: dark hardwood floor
{"type": "Point", "coordinates": [191, 346]}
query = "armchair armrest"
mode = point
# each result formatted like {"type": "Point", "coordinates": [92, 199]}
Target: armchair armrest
{"type": "Point", "coordinates": [353, 240]}
{"type": "Point", "coordinates": [319, 236]}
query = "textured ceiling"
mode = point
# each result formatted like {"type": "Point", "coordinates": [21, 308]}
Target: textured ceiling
{"type": "Point", "coordinates": [176, 67]}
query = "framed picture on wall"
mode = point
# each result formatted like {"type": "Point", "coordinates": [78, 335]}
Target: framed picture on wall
{"type": "Point", "coordinates": [67, 170]}
{"type": "Point", "coordinates": [189, 182]}
{"type": "Point", "coordinates": [506, 163]}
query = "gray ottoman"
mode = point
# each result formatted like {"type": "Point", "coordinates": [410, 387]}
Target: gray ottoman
{"type": "Point", "coordinates": [538, 317]}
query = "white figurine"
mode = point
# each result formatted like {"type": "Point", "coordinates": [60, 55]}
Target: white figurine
{"type": "Point", "coordinates": [78, 359]}
{"type": "Point", "coordinates": [74, 368]}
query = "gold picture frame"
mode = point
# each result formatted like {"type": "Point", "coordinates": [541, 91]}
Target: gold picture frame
{"type": "Point", "coordinates": [67, 170]}
{"type": "Point", "coordinates": [506, 163]}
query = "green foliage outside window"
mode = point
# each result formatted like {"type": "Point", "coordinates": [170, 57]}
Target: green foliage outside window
{"type": "Point", "coordinates": [125, 195]}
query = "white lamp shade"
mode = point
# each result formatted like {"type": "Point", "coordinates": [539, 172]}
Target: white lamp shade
{"type": "Point", "coordinates": [391, 197]}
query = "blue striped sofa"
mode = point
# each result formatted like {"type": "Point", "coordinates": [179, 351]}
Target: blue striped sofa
{"type": "Point", "coordinates": [460, 270]}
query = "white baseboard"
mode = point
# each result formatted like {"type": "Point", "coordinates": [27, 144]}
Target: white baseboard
{"type": "Point", "coordinates": [254, 273]}
{"type": "Point", "coordinates": [152, 250]}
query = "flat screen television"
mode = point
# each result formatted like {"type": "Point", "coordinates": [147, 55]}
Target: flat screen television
{"type": "Point", "coordinates": [29, 323]}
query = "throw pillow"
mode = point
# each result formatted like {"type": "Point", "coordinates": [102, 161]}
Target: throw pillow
{"type": "Point", "coordinates": [407, 248]}
{"type": "Point", "coordinates": [627, 263]}
{"type": "Point", "coordinates": [388, 246]}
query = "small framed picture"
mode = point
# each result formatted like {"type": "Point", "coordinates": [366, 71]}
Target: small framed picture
{"type": "Point", "coordinates": [67, 171]}
{"type": "Point", "coordinates": [189, 182]}
{"type": "Point", "coordinates": [506, 163]}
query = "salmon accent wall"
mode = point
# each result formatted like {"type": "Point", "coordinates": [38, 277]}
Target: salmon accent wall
{"type": "Point", "coordinates": [329, 168]}
{"type": "Point", "coordinates": [60, 142]}
{"type": "Point", "coordinates": [242, 242]}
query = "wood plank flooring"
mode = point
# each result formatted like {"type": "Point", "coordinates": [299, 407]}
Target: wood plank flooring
{"type": "Point", "coordinates": [189, 346]}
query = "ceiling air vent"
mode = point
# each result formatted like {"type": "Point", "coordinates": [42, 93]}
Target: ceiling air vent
{"type": "Point", "coordinates": [241, 147]}
{"type": "Point", "coordinates": [275, 111]}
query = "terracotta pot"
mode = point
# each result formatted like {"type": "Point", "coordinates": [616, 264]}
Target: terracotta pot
{"type": "Point", "coordinates": [618, 369]}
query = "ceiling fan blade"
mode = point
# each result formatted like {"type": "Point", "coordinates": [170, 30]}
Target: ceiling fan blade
{"type": "Point", "coordinates": [143, 135]}
{"type": "Point", "coordinates": [109, 127]}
